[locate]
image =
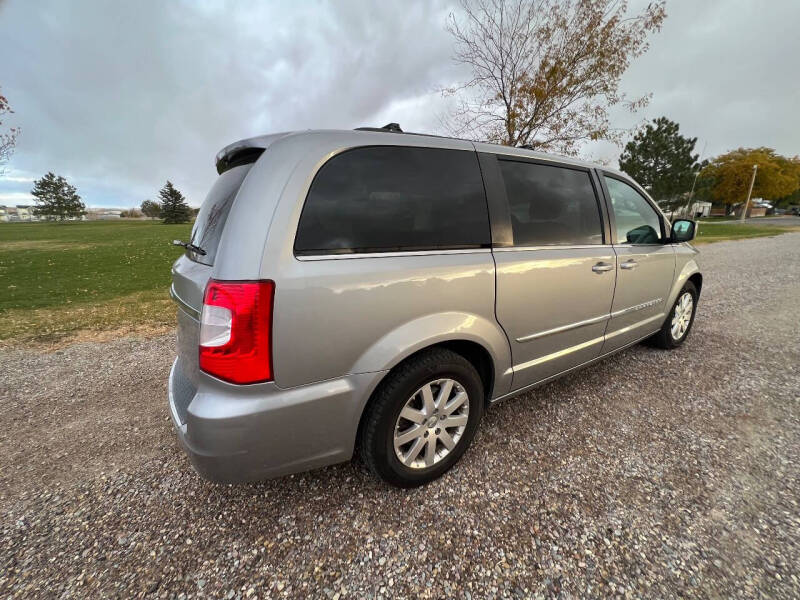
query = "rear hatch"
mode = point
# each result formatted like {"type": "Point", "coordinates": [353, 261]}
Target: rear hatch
{"type": "Point", "coordinates": [191, 272]}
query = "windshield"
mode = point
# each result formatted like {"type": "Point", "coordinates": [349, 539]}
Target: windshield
{"type": "Point", "coordinates": [213, 213]}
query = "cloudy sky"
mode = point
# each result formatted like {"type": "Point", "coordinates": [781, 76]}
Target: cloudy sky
{"type": "Point", "coordinates": [120, 96]}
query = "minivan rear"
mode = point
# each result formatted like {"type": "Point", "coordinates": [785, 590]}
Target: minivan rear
{"type": "Point", "coordinates": [371, 288]}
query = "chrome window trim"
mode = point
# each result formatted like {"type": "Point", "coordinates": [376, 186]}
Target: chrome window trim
{"type": "Point", "coordinates": [552, 247]}
{"type": "Point", "coordinates": [390, 254]}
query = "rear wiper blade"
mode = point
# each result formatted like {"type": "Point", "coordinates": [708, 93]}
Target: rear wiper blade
{"type": "Point", "coordinates": [189, 246]}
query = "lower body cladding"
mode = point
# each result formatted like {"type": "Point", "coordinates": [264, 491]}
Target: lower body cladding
{"type": "Point", "coordinates": [235, 433]}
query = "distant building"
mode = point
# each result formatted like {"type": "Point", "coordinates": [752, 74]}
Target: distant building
{"type": "Point", "coordinates": [26, 212]}
{"type": "Point", "coordinates": [752, 210]}
{"type": "Point", "coordinates": [697, 209]}
{"type": "Point", "coordinates": [720, 210]}
{"type": "Point", "coordinates": [20, 212]}
{"type": "Point", "coordinates": [105, 214]}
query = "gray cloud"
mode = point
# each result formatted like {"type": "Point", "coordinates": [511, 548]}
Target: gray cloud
{"type": "Point", "coordinates": [726, 70]}
{"type": "Point", "coordinates": [122, 96]}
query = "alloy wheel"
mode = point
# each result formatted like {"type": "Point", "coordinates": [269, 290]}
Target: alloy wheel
{"type": "Point", "coordinates": [431, 423]}
{"type": "Point", "coordinates": [682, 316]}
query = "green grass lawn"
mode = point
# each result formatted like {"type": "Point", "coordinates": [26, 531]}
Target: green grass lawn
{"type": "Point", "coordinates": [717, 232]}
{"type": "Point", "coordinates": [718, 218]}
{"type": "Point", "coordinates": [58, 278]}
{"type": "Point", "coordinates": [62, 280]}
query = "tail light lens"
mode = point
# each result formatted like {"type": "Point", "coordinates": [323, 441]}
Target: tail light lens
{"type": "Point", "coordinates": [236, 331]}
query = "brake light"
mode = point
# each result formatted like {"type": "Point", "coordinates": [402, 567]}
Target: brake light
{"type": "Point", "coordinates": [236, 330]}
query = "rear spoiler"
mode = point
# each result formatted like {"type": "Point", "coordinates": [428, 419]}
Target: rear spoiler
{"type": "Point", "coordinates": [245, 152]}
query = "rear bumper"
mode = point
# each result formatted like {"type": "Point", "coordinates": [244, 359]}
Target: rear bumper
{"type": "Point", "coordinates": [236, 433]}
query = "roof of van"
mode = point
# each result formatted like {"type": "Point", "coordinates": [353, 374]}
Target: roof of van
{"type": "Point", "coordinates": [241, 151]}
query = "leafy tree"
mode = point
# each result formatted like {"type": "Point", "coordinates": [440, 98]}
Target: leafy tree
{"type": "Point", "coordinates": [703, 187]}
{"type": "Point", "coordinates": [151, 209]}
{"type": "Point", "coordinates": [173, 205]}
{"type": "Point", "coordinates": [545, 72]}
{"type": "Point", "coordinates": [729, 175]}
{"type": "Point", "coordinates": [7, 140]}
{"type": "Point", "coordinates": [661, 160]}
{"type": "Point", "coordinates": [132, 213]}
{"type": "Point", "coordinates": [792, 199]}
{"type": "Point", "coordinates": [55, 197]}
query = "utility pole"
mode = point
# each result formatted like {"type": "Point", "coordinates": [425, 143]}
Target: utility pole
{"type": "Point", "coordinates": [750, 191]}
{"type": "Point", "coordinates": [694, 183]}
{"type": "Point", "coordinates": [691, 195]}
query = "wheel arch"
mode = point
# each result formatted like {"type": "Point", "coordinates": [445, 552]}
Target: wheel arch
{"type": "Point", "coordinates": [697, 280]}
{"type": "Point", "coordinates": [479, 357]}
{"type": "Point", "coordinates": [478, 339]}
{"type": "Point", "coordinates": [474, 352]}
{"type": "Point", "coordinates": [689, 271]}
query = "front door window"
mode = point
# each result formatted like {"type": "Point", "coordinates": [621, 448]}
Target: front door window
{"type": "Point", "coordinates": [636, 221]}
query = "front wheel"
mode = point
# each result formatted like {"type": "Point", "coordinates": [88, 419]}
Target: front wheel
{"type": "Point", "coordinates": [679, 322]}
{"type": "Point", "coordinates": [422, 418]}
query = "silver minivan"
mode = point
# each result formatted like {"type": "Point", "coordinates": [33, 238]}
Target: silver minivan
{"type": "Point", "coordinates": [376, 291]}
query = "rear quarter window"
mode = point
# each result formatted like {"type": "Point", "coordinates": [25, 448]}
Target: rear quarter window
{"type": "Point", "coordinates": [214, 212]}
{"type": "Point", "coordinates": [388, 198]}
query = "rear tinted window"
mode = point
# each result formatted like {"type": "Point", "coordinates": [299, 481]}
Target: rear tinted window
{"type": "Point", "coordinates": [214, 212]}
{"type": "Point", "coordinates": [385, 198]}
{"type": "Point", "coordinates": [551, 205]}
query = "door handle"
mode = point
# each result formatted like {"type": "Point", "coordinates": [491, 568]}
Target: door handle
{"type": "Point", "coordinates": [629, 264]}
{"type": "Point", "coordinates": [602, 267]}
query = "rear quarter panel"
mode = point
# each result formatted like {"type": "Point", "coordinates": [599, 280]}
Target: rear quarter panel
{"type": "Point", "coordinates": [360, 315]}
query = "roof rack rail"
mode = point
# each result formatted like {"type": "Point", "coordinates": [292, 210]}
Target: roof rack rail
{"type": "Point", "coordinates": [393, 127]}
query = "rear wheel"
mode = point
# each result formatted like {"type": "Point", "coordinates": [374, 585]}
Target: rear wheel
{"type": "Point", "coordinates": [679, 322]}
{"type": "Point", "coordinates": [422, 418]}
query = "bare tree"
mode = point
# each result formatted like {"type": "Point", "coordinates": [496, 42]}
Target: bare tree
{"type": "Point", "coordinates": [7, 140]}
{"type": "Point", "coordinates": [545, 72]}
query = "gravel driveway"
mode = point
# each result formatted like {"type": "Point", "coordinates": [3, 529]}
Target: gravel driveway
{"type": "Point", "coordinates": [657, 474]}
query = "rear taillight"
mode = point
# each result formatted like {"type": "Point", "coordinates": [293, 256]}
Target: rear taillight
{"type": "Point", "coordinates": [236, 330]}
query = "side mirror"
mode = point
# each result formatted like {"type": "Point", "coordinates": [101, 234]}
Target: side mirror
{"type": "Point", "coordinates": [683, 230]}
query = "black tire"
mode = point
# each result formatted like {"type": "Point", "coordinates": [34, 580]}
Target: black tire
{"type": "Point", "coordinates": [664, 339]}
{"type": "Point", "coordinates": [383, 412]}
